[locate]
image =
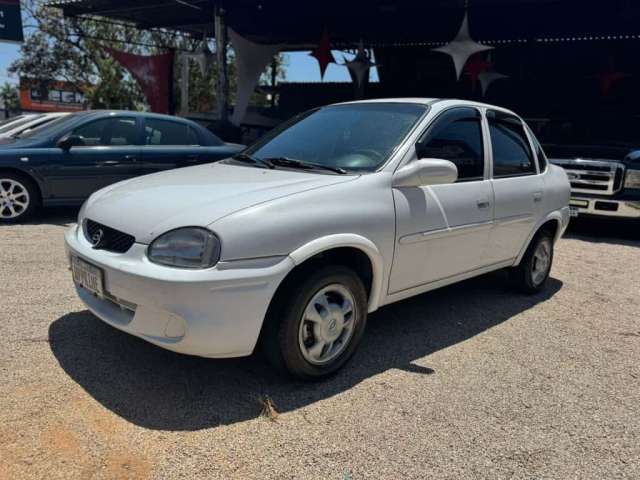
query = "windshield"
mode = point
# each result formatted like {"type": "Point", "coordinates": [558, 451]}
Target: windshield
{"type": "Point", "coordinates": [18, 123]}
{"type": "Point", "coordinates": [353, 137]}
{"type": "Point", "coordinates": [43, 128]}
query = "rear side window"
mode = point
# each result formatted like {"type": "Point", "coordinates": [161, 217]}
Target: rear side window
{"type": "Point", "coordinates": [540, 155]}
{"type": "Point", "coordinates": [512, 155]}
{"type": "Point", "coordinates": [166, 132]}
{"type": "Point", "coordinates": [456, 135]}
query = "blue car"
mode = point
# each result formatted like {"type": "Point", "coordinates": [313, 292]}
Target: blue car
{"type": "Point", "coordinates": [66, 160]}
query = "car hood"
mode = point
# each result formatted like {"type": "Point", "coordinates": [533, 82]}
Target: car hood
{"type": "Point", "coordinates": [148, 206]}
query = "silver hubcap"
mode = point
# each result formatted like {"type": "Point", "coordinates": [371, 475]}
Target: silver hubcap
{"type": "Point", "coordinates": [14, 198]}
{"type": "Point", "coordinates": [541, 262]}
{"type": "Point", "coordinates": [327, 324]}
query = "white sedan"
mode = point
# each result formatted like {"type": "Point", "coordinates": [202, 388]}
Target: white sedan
{"type": "Point", "coordinates": [341, 210]}
{"type": "Point", "coordinates": [29, 122]}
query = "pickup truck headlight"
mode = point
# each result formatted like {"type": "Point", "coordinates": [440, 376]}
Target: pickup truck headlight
{"type": "Point", "coordinates": [190, 247]}
{"type": "Point", "coordinates": [632, 179]}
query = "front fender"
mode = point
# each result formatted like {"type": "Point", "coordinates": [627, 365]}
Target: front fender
{"type": "Point", "coordinates": [351, 240]}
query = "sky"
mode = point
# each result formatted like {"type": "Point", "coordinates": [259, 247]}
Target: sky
{"type": "Point", "coordinates": [8, 53]}
{"type": "Point", "coordinates": [302, 67]}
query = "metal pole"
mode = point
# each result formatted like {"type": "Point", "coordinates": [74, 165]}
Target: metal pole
{"type": "Point", "coordinates": [221, 64]}
{"type": "Point", "coordinates": [184, 91]}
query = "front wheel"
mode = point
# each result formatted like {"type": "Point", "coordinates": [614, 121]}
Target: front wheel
{"type": "Point", "coordinates": [532, 273]}
{"type": "Point", "coordinates": [316, 323]}
{"type": "Point", "coordinates": [18, 198]}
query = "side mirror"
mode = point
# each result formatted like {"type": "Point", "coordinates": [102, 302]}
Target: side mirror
{"type": "Point", "coordinates": [426, 171]}
{"type": "Point", "coordinates": [71, 141]}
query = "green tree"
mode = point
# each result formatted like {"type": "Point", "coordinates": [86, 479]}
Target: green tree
{"type": "Point", "coordinates": [72, 50]}
{"type": "Point", "coordinates": [10, 98]}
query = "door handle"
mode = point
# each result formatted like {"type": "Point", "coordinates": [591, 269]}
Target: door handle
{"type": "Point", "coordinates": [109, 162]}
{"type": "Point", "coordinates": [131, 158]}
{"type": "Point", "coordinates": [484, 204]}
{"type": "Point", "coordinates": [537, 196]}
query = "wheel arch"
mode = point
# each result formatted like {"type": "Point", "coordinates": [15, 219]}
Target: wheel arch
{"type": "Point", "coordinates": [366, 256]}
{"type": "Point", "coordinates": [553, 222]}
{"type": "Point", "coordinates": [28, 176]}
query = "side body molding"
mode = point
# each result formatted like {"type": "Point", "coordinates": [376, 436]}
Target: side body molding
{"type": "Point", "coordinates": [340, 240]}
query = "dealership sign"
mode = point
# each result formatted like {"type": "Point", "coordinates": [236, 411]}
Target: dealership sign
{"type": "Point", "coordinates": [10, 21]}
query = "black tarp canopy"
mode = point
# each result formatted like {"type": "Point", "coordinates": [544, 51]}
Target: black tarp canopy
{"type": "Point", "coordinates": [377, 22]}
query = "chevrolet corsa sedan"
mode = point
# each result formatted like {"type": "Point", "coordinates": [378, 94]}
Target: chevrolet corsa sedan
{"type": "Point", "coordinates": [342, 210]}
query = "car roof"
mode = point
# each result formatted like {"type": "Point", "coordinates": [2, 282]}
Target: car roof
{"type": "Point", "coordinates": [429, 101]}
{"type": "Point", "coordinates": [131, 113]}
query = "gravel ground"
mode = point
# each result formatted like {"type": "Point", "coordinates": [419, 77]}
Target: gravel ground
{"type": "Point", "coordinates": [470, 381]}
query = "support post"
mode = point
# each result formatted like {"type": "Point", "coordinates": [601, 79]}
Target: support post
{"type": "Point", "coordinates": [184, 84]}
{"type": "Point", "coordinates": [222, 87]}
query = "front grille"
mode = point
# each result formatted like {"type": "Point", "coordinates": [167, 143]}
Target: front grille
{"type": "Point", "coordinates": [110, 239]}
{"type": "Point", "coordinates": [593, 176]}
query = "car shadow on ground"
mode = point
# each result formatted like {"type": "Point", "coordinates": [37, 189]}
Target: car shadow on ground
{"type": "Point", "coordinates": [60, 216]}
{"type": "Point", "coordinates": [157, 389]}
{"type": "Point", "coordinates": [618, 231]}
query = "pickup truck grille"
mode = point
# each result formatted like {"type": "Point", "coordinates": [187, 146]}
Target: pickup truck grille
{"type": "Point", "coordinates": [107, 238]}
{"type": "Point", "coordinates": [593, 176]}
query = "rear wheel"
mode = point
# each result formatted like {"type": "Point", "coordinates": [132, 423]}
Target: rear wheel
{"type": "Point", "coordinates": [532, 273]}
{"type": "Point", "coordinates": [316, 322]}
{"type": "Point", "coordinates": [18, 198]}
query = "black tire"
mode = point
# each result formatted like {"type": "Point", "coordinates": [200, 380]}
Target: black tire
{"type": "Point", "coordinates": [524, 277]}
{"type": "Point", "coordinates": [32, 198]}
{"type": "Point", "coordinates": [281, 336]}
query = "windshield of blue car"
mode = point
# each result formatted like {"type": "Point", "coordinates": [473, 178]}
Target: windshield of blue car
{"type": "Point", "coordinates": [356, 137]}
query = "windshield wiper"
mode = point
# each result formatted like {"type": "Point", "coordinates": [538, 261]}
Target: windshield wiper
{"type": "Point", "coordinates": [244, 157]}
{"type": "Point", "coordinates": [295, 163]}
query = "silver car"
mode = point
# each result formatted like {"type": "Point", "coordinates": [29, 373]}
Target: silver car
{"type": "Point", "coordinates": [292, 243]}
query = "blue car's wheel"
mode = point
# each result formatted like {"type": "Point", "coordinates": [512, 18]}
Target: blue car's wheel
{"type": "Point", "coordinates": [18, 198]}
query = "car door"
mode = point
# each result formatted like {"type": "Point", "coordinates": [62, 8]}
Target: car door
{"type": "Point", "coordinates": [108, 153]}
{"type": "Point", "coordinates": [443, 230]}
{"type": "Point", "coordinates": [169, 144]}
{"type": "Point", "coordinates": [518, 188]}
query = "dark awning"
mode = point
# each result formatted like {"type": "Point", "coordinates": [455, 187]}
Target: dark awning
{"type": "Point", "coordinates": [377, 22]}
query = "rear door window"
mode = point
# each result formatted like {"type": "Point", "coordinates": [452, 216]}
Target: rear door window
{"type": "Point", "coordinates": [512, 155]}
{"type": "Point", "coordinates": [166, 132]}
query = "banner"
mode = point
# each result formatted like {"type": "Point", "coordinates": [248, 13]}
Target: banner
{"type": "Point", "coordinates": [154, 74]}
{"type": "Point", "coordinates": [10, 21]}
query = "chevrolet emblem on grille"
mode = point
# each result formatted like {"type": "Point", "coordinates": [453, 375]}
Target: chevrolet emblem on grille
{"type": "Point", "coordinates": [96, 238]}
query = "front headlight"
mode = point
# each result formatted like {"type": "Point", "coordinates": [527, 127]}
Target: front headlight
{"type": "Point", "coordinates": [190, 247]}
{"type": "Point", "coordinates": [632, 179]}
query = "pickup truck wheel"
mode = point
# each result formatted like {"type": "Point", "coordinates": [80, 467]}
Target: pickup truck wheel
{"type": "Point", "coordinates": [18, 198]}
{"type": "Point", "coordinates": [532, 273]}
{"type": "Point", "coordinates": [317, 323]}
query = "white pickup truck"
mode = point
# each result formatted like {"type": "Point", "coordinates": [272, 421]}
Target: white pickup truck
{"type": "Point", "coordinates": [292, 243]}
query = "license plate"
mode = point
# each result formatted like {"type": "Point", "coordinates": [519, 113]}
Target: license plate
{"type": "Point", "coordinates": [573, 211]}
{"type": "Point", "coordinates": [87, 276]}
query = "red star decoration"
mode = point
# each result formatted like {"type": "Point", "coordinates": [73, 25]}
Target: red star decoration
{"type": "Point", "coordinates": [608, 78]}
{"type": "Point", "coordinates": [474, 67]}
{"type": "Point", "coordinates": [323, 53]}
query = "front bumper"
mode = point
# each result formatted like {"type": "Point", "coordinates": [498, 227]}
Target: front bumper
{"type": "Point", "coordinates": [217, 312]}
{"type": "Point", "coordinates": [606, 207]}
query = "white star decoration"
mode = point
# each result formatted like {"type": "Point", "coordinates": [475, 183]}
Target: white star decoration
{"type": "Point", "coordinates": [487, 78]}
{"type": "Point", "coordinates": [462, 47]}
